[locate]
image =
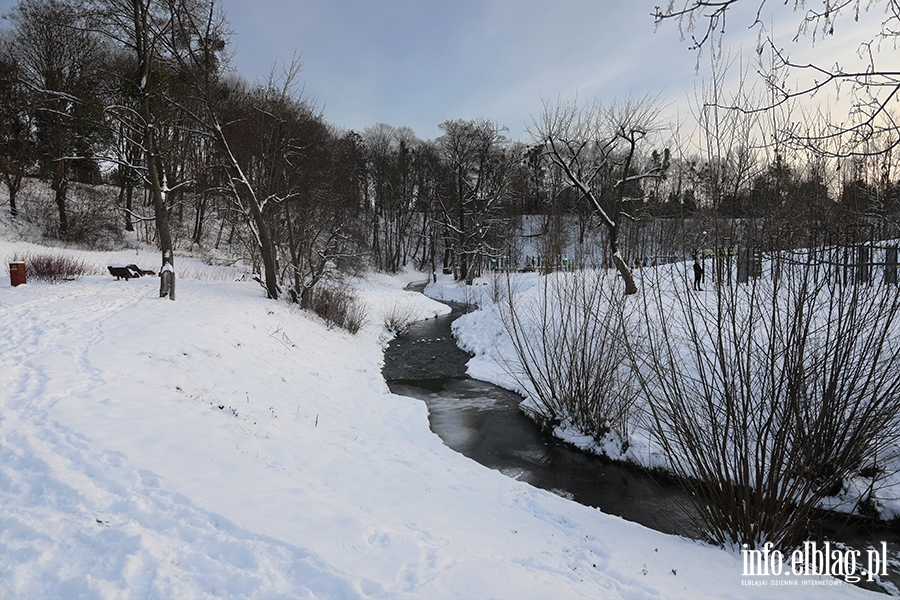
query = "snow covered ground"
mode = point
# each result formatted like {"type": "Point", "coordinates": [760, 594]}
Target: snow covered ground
{"type": "Point", "coordinates": [227, 446]}
{"type": "Point", "coordinates": [482, 333]}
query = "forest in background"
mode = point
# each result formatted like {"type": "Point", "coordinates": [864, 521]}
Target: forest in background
{"type": "Point", "coordinates": [138, 97]}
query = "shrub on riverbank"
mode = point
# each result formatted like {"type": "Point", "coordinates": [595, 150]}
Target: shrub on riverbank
{"type": "Point", "coordinates": [570, 353]}
{"type": "Point", "coordinates": [770, 402]}
{"type": "Point", "coordinates": [769, 399]}
{"type": "Point", "coordinates": [398, 318]}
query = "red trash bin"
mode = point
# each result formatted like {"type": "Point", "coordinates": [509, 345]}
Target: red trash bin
{"type": "Point", "coordinates": [16, 273]}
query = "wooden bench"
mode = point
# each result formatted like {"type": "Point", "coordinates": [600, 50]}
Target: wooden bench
{"type": "Point", "coordinates": [127, 271]}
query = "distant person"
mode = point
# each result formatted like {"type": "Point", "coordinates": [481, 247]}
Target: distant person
{"type": "Point", "coordinates": [698, 274]}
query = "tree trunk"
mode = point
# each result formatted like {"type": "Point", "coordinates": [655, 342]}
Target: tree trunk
{"type": "Point", "coordinates": [60, 185]}
{"type": "Point", "coordinates": [198, 220]}
{"type": "Point", "coordinates": [13, 211]}
{"type": "Point", "coordinates": [129, 204]}
{"type": "Point", "coordinates": [295, 255]}
{"type": "Point", "coordinates": [144, 51]}
{"type": "Point", "coordinates": [266, 247]}
{"type": "Point", "coordinates": [621, 265]}
{"type": "Point", "coordinates": [625, 272]}
{"type": "Point", "coordinates": [461, 253]}
{"type": "Point", "coordinates": [376, 245]}
{"type": "Point", "coordinates": [167, 271]}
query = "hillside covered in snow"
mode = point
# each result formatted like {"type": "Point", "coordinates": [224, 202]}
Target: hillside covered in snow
{"type": "Point", "coordinates": [229, 446]}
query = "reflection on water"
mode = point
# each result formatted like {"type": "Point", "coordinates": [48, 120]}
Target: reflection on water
{"type": "Point", "coordinates": [484, 422]}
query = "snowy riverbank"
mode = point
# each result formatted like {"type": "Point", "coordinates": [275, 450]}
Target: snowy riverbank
{"type": "Point", "coordinates": [228, 446]}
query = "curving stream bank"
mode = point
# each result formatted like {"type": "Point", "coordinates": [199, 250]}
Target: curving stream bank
{"type": "Point", "coordinates": [483, 422]}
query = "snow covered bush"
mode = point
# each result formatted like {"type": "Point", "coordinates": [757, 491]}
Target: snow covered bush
{"type": "Point", "coordinates": [570, 352]}
{"type": "Point", "coordinates": [769, 399]}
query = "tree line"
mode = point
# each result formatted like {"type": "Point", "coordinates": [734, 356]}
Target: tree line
{"type": "Point", "coordinates": [139, 95]}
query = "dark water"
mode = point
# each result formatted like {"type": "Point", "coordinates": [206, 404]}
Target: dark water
{"type": "Point", "coordinates": [484, 422]}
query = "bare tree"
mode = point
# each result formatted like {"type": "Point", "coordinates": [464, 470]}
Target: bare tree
{"type": "Point", "coordinates": [317, 218]}
{"type": "Point", "coordinates": [165, 38]}
{"type": "Point", "coordinates": [296, 185]}
{"type": "Point", "coordinates": [431, 187]}
{"type": "Point", "coordinates": [595, 146]}
{"type": "Point", "coordinates": [872, 87]}
{"type": "Point", "coordinates": [142, 27]}
{"type": "Point", "coordinates": [249, 203]}
{"type": "Point", "coordinates": [477, 154]}
{"type": "Point", "coordinates": [257, 132]}
{"type": "Point", "coordinates": [62, 63]}
{"type": "Point", "coordinates": [17, 143]}
{"type": "Point", "coordinates": [391, 153]}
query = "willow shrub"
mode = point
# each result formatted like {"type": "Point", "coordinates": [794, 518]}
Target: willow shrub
{"type": "Point", "coordinates": [766, 398]}
{"type": "Point", "coordinates": [571, 358]}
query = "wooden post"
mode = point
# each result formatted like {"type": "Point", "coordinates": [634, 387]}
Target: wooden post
{"type": "Point", "coordinates": [863, 260]}
{"type": "Point", "coordinates": [743, 265]}
{"type": "Point", "coordinates": [890, 265]}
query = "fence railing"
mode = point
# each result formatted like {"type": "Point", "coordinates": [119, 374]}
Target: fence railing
{"type": "Point", "coordinates": [866, 263]}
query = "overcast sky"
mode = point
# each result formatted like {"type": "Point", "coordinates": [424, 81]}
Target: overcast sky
{"type": "Point", "coordinates": [420, 62]}
{"type": "Point", "coordinates": [417, 63]}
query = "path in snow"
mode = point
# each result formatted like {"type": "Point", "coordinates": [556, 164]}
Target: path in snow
{"type": "Point", "coordinates": [79, 521]}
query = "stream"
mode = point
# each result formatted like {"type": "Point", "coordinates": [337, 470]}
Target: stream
{"type": "Point", "coordinates": [484, 422]}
